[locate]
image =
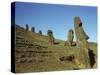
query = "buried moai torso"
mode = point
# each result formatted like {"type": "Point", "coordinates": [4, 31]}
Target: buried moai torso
{"type": "Point", "coordinates": [81, 36]}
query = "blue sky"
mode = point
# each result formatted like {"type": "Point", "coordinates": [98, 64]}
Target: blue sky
{"type": "Point", "coordinates": [58, 18]}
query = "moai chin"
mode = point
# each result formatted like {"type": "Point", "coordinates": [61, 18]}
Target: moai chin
{"type": "Point", "coordinates": [81, 41]}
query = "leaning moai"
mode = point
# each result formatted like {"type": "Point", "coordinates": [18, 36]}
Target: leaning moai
{"type": "Point", "coordinates": [33, 29]}
{"type": "Point", "coordinates": [70, 37]}
{"type": "Point", "coordinates": [81, 42]}
{"type": "Point", "coordinates": [50, 37]}
{"type": "Point", "coordinates": [27, 27]}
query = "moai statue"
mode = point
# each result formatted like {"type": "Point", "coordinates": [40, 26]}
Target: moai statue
{"type": "Point", "coordinates": [82, 43]}
{"type": "Point", "coordinates": [40, 32]}
{"type": "Point", "coordinates": [27, 27]}
{"type": "Point", "coordinates": [81, 36]}
{"type": "Point", "coordinates": [50, 37]}
{"type": "Point", "coordinates": [70, 37]}
{"type": "Point", "coordinates": [33, 29]}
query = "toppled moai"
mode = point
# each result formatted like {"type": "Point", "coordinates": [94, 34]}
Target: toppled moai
{"type": "Point", "coordinates": [50, 37]}
{"type": "Point", "coordinates": [82, 43]}
{"type": "Point", "coordinates": [70, 37]}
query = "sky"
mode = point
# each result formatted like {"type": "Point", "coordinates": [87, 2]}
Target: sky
{"type": "Point", "coordinates": [58, 18]}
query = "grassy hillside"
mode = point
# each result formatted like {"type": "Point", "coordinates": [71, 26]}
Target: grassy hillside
{"type": "Point", "coordinates": [33, 53]}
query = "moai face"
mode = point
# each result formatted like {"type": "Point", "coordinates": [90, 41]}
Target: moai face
{"type": "Point", "coordinates": [77, 22]}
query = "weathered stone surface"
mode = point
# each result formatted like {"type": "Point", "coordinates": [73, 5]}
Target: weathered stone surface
{"type": "Point", "coordinates": [50, 37]}
{"type": "Point", "coordinates": [81, 36]}
{"type": "Point", "coordinates": [82, 43]}
{"type": "Point", "coordinates": [70, 37]}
